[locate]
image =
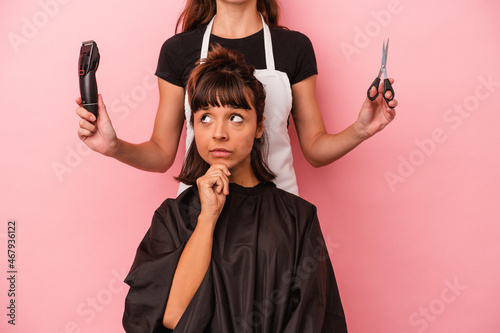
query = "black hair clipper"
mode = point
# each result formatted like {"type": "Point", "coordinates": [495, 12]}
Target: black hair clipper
{"type": "Point", "coordinates": [87, 66]}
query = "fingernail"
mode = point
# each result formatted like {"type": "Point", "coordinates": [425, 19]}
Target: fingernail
{"type": "Point", "coordinates": [92, 118]}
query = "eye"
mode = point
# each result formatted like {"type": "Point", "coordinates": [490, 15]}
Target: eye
{"type": "Point", "coordinates": [205, 118]}
{"type": "Point", "coordinates": [236, 118]}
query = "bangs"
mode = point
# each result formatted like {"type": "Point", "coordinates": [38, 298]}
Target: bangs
{"type": "Point", "coordinates": [220, 89]}
{"type": "Point", "coordinates": [223, 79]}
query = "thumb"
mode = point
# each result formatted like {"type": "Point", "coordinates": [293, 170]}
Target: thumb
{"type": "Point", "coordinates": [372, 92]}
{"type": "Point", "coordinates": [78, 101]}
{"type": "Point", "coordinates": [103, 113]}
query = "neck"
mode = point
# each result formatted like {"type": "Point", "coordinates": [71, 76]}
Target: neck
{"type": "Point", "coordinates": [243, 175]}
{"type": "Point", "coordinates": [236, 20]}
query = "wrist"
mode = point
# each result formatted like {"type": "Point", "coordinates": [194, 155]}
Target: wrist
{"type": "Point", "coordinates": [359, 131]}
{"type": "Point", "coordinates": [114, 148]}
{"type": "Point", "coordinates": [207, 219]}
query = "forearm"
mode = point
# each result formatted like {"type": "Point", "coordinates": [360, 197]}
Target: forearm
{"type": "Point", "coordinates": [327, 148]}
{"type": "Point", "coordinates": [318, 146]}
{"type": "Point", "coordinates": [321, 148]}
{"type": "Point", "coordinates": [158, 153]}
{"type": "Point", "coordinates": [190, 271]}
{"type": "Point", "coordinates": [146, 156]}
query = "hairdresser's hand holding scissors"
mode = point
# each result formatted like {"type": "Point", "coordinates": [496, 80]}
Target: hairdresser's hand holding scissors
{"type": "Point", "coordinates": [98, 135]}
{"type": "Point", "coordinates": [213, 188]}
{"type": "Point", "coordinates": [378, 109]}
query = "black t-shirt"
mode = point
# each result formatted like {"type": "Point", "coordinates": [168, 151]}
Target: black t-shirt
{"type": "Point", "coordinates": [293, 53]}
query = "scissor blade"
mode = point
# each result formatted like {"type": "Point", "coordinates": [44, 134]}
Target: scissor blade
{"type": "Point", "coordinates": [385, 49]}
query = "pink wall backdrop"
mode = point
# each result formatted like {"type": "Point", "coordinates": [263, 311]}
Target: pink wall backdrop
{"type": "Point", "coordinates": [411, 217]}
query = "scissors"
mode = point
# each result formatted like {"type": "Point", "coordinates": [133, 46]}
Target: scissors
{"type": "Point", "coordinates": [387, 83]}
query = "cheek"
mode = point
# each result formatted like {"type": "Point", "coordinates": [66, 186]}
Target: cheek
{"type": "Point", "coordinates": [246, 141]}
{"type": "Point", "coordinates": [199, 131]}
{"type": "Point", "coordinates": [200, 140]}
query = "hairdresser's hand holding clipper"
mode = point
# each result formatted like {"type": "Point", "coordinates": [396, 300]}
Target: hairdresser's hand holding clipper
{"type": "Point", "coordinates": [95, 126]}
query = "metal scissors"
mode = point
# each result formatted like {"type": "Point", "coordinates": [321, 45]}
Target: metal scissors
{"type": "Point", "coordinates": [387, 83]}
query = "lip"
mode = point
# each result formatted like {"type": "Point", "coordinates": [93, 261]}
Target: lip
{"type": "Point", "coordinates": [220, 152]}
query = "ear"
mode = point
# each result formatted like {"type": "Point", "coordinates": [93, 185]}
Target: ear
{"type": "Point", "coordinates": [260, 129]}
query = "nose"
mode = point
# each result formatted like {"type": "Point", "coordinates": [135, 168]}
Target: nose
{"type": "Point", "coordinates": [220, 132]}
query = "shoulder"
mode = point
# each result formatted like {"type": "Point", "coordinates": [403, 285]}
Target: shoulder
{"type": "Point", "coordinates": [300, 208]}
{"type": "Point", "coordinates": [178, 56]}
{"type": "Point", "coordinates": [290, 37]}
{"type": "Point", "coordinates": [294, 54]}
{"type": "Point", "coordinates": [185, 39]}
{"type": "Point", "coordinates": [182, 210]}
{"type": "Point", "coordinates": [189, 200]}
{"type": "Point", "coordinates": [296, 215]}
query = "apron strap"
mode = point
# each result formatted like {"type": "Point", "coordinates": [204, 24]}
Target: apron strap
{"type": "Point", "coordinates": [268, 44]}
{"type": "Point", "coordinates": [206, 40]}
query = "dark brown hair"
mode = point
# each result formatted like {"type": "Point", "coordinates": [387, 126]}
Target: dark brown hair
{"type": "Point", "coordinates": [224, 79]}
{"type": "Point", "coordinates": [200, 12]}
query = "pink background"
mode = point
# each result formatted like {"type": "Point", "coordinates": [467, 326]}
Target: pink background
{"type": "Point", "coordinates": [411, 217]}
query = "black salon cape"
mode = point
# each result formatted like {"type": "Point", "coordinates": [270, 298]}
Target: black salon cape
{"type": "Point", "coordinates": [270, 270]}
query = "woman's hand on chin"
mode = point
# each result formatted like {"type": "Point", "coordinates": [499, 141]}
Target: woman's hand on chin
{"type": "Point", "coordinates": [213, 188]}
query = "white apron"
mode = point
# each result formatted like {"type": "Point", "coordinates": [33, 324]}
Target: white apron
{"type": "Point", "coordinates": [277, 110]}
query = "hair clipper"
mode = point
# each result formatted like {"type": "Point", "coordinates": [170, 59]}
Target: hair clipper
{"type": "Point", "coordinates": [87, 66]}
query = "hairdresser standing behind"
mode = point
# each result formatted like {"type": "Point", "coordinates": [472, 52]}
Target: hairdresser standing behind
{"type": "Point", "coordinates": [285, 64]}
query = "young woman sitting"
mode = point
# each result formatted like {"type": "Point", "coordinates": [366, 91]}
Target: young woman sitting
{"type": "Point", "coordinates": [232, 253]}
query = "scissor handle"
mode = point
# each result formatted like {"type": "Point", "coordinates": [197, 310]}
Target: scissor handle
{"type": "Point", "coordinates": [375, 84]}
{"type": "Point", "coordinates": [388, 87]}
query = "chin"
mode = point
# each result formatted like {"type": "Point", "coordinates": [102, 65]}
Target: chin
{"type": "Point", "coordinates": [226, 163]}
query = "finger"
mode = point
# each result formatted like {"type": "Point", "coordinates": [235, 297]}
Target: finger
{"type": "Point", "coordinates": [78, 101]}
{"type": "Point", "coordinates": [220, 187]}
{"type": "Point", "coordinates": [215, 183]}
{"type": "Point", "coordinates": [214, 173]}
{"type": "Point", "coordinates": [85, 114]}
{"type": "Point", "coordinates": [393, 103]}
{"type": "Point", "coordinates": [391, 114]}
{"type": "Point", "coordinates": [224, 173]}
{"type": "Point", "coordinates": [220, 167]}
{"type": "Point", "coordinates": [388, 94]}
{"type": "Point", "coordinates": [373, 92]}
{"type": "Point", "coordinates": [225, 180]}
{"type": "Point", "coordinates": [220, 182]}
{"type": "Point", "coordinates": [212, 179]}
{"type": "Point", "coordinates": [84, 133]}
{"type": "Point", "coordinates": [391, 80]}
{"type": "Point", "coordinates": [381, 88]}
{"type": "Point", "coordinates": [88, 126]}
{"type": "Point", "coordinates": [101, 108]}
{"type": "Point", "coordinates": [223, 185]}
